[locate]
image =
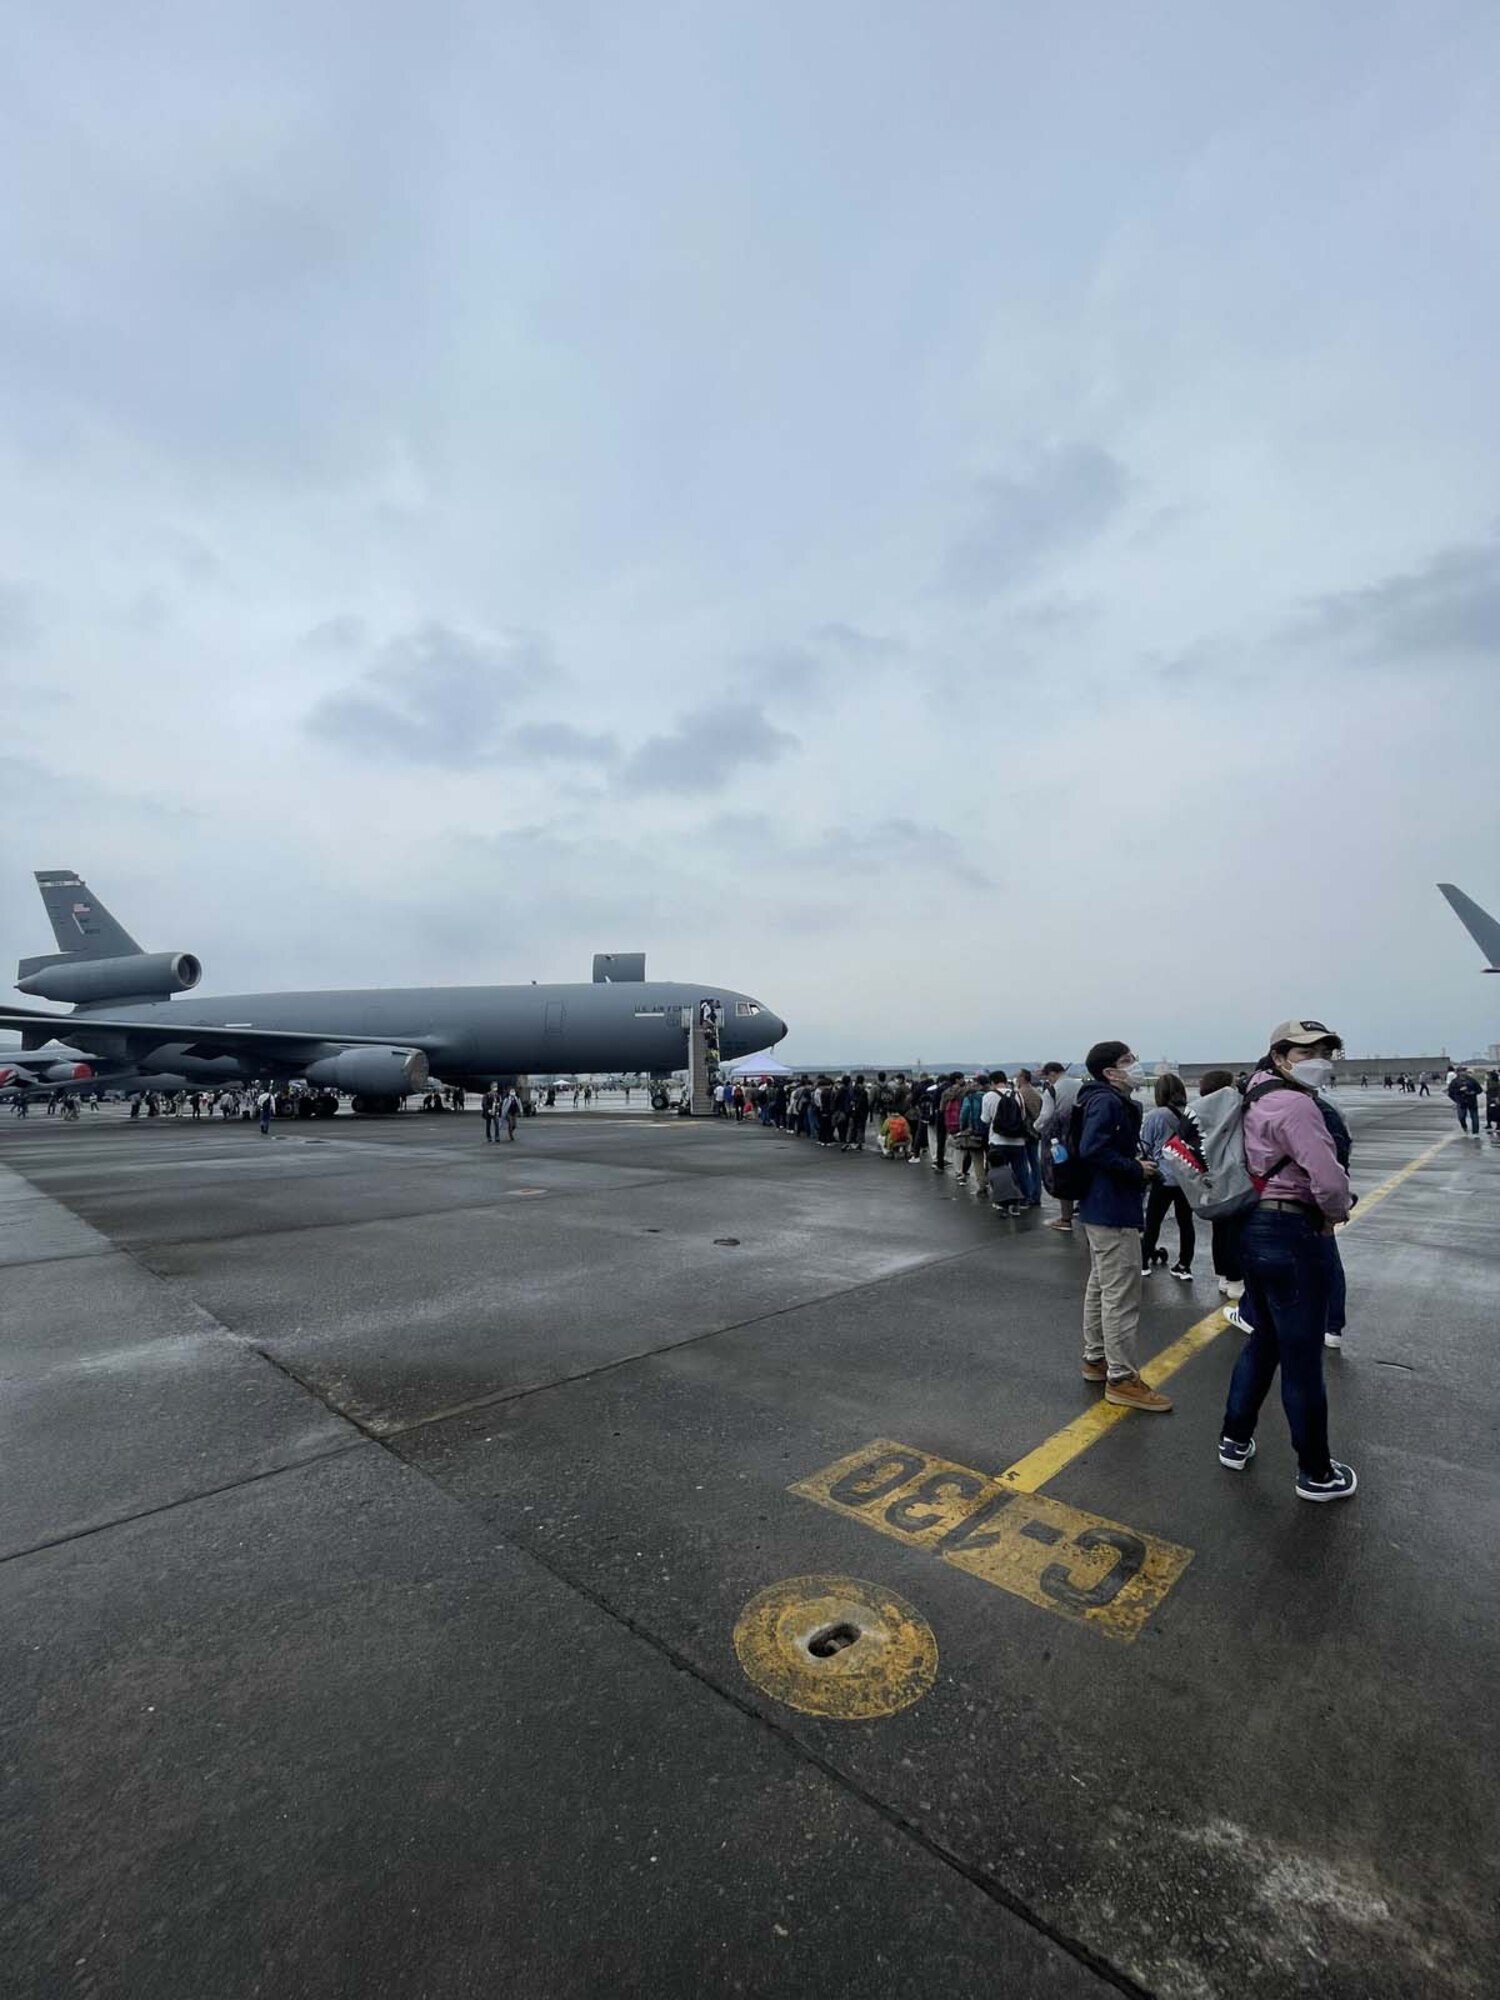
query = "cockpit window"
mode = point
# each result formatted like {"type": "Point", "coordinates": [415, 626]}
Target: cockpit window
{"type": "Point", "coordinates": [743, 1008]}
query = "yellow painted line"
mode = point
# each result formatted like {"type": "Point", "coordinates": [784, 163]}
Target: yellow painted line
{"type": "Point", "coordinates": [1037, 1467]}
{"type": "Point", "coordinates": [1075, 1564]}
{"type": "Point", "coordinates": [1387, 1187]}
{"type": "Point", "coordinates": [836, 1646]}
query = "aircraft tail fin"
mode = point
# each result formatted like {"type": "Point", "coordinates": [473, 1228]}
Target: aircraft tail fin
{"type": "Point", "coordinates": [80, 923]}
{"type": "Point", "coordinates": [1480, 925]}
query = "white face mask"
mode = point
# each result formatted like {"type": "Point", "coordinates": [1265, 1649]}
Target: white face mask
{"type": "Point", "coordinates": [1313, 1072]}
{"type": "Point", "coordinates": [1135, 1074]}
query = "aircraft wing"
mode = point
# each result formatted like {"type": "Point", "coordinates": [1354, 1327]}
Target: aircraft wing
{"type": "Point", "coordinates": [1480, 925]}
{"type": "Point", "coordinates": [195, 1038]}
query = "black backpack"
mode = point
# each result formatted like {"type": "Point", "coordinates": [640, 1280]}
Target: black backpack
{"type": "Point", "coordinates": [1009, 1121]}
{"type": "Point", "coordinates": [1071, 1174]}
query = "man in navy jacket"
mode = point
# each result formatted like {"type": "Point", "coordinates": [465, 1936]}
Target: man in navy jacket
{"type": "Point", "coordinates": [1109, 1133]}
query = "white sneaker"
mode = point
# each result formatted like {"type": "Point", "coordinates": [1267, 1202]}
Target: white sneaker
{"type": "Point", "coordinates": [1236, 1318]}
{"type": "Point", "coordinates": [1236, 1288]}
{"type": "Point", "coordinates": [1333, 1339]}
{"type": "Point", "coordinates": [1223, 1284]}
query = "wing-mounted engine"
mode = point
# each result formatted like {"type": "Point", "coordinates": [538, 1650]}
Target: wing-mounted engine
{"type": "Point", "coordinates": [144, 975]}
{"type": "Point", "coordinates": [371, 1072]}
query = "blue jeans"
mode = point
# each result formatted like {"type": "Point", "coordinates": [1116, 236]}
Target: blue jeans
{"type": "Point", "coordinates": [1286, 1300]}
{"type": "Point", "coordinates": [1468, 1114]}
{"type": "Point", "coordinates": [1333, 1264]}
{"type": "Point", "coordinates": [1026, 1167]}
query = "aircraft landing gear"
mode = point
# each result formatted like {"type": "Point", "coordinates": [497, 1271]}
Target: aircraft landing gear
{"type": "Point", "coordinates": [660, 1101]}
{"type": "Point", "coordinates": [375, 1107]}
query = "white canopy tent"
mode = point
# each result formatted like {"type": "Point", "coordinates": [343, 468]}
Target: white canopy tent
{"type": "Point", "coordinates": [756, 1066]}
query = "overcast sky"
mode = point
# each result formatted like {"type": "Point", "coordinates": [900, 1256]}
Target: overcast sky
{"type": "Point", "coordinates": [979, 524]}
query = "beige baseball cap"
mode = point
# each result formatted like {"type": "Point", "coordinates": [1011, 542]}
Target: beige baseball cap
{"type": "Point", "coordinates": [1305, 1033]}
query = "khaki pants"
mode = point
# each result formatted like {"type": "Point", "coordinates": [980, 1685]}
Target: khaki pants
{"type": "Point", "coordinates": [1112, 1302]}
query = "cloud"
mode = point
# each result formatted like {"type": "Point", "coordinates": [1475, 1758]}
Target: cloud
{"type": "Point", "coordinates": [19, 625]}
{"type": "Point", "coordinates": [849, 640]}
{"type": "Point", "coordinates": [897, 844]}
{"type": "Point", "coordinates": [1450, 607]}
{"type": "Point", "coordinates": [344, 634]}
{"type": "Point", "coordinates": [434, 696]}
{"type": "Point", "coordinates": [777, 671]}
{"type": "Point", "coordinates": [705, 750]}
{"type": "Point", "coordinates": [1063, 497]}
{"type": "Point", "coordinates": [560, 740]}
{"type": "Point", "coordinates": [897, 848]}
{"type": "Point", "coordinates": [1216, 664]}
{"type": "Point", "coordinates": [837, 653]}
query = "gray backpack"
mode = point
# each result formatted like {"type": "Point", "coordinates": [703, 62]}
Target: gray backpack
{"type": "Point", "coordinates": [1207, 1153]}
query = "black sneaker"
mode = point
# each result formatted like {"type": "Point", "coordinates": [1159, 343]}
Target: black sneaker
{"type": "Point", "coordinates": [1182, 1271]}
{"type": "Point", "coordinates": [1234, 1454]}
{"type": "Point", "coordinates": [1339, 1484]}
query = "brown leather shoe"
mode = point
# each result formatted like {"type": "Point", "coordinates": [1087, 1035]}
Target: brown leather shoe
{"type": "Point", "coordinates": [1095, 1371]}
{"type": "Point", "coordinates": [1131, 1393]}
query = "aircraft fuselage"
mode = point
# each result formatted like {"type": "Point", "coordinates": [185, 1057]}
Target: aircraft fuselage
{"type": "Point", "coordinates": [469, 1031]}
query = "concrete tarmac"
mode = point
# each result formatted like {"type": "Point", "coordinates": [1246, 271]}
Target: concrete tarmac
{"type": "Point", "coordinates": [390, 1534]}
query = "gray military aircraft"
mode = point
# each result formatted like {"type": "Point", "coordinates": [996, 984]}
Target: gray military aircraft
{"type": "Point", "coordinates": [1480, 925]}
{"type": "Point", "coordinates": [376, 1044]}
{"type": "Point", "coordinates": [48, 1063]}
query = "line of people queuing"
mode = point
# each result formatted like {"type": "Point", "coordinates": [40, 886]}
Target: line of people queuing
{"type": "Point", "coordinates": [1117, 1174]}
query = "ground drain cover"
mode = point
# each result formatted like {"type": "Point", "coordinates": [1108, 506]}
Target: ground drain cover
{"type": "Point", "coordinates": [836, 1646]}
{"type": "Point", "coordinates": [727, 1242]}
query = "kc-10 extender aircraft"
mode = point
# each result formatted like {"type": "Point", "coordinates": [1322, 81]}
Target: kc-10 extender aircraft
{"type": "Point", "coordinates": [377, 1044]}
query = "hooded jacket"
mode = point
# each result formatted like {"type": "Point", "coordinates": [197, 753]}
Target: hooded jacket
{"type": "Point", "coordinates": [1109, 1145]}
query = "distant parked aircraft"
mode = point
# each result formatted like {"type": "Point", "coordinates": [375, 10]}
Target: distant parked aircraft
{"type": "Point", "coordinates": [377, 1044]}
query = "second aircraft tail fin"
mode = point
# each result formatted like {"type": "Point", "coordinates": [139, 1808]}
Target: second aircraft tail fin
{"type": "Point", "coordinates": [1480, 925]}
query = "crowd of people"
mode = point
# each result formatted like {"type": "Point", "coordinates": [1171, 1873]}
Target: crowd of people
{"type": "Point", "coordinates": [1263, 1158]}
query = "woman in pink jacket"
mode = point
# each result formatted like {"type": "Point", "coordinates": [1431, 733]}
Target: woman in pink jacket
{"type": "Point", "coordinates": [1304, 1192]}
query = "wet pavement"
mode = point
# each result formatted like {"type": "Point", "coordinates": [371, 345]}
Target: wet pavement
{"type": "Point", "coordinates": [390, 1534]}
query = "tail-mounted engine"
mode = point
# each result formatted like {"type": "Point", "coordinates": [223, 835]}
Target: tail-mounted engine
{"type": "Point", "coordinates": [144, 975]}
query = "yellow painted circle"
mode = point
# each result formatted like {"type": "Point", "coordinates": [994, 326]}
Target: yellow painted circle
{"type": "Point", "coordinates": [891, 1663]}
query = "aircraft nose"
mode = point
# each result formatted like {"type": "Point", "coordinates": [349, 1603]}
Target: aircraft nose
{"type": "Point", "coordinates": [777, 1027]}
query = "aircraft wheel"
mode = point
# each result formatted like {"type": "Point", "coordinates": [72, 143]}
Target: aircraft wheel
{"type": "Point", "coordinates": [659, 1100]}
{"type": "Point", "coordinates": [375, 1107]}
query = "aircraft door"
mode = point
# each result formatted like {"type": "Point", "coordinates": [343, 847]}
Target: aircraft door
{"type": "Point", "coordinates": [556, 1020]}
